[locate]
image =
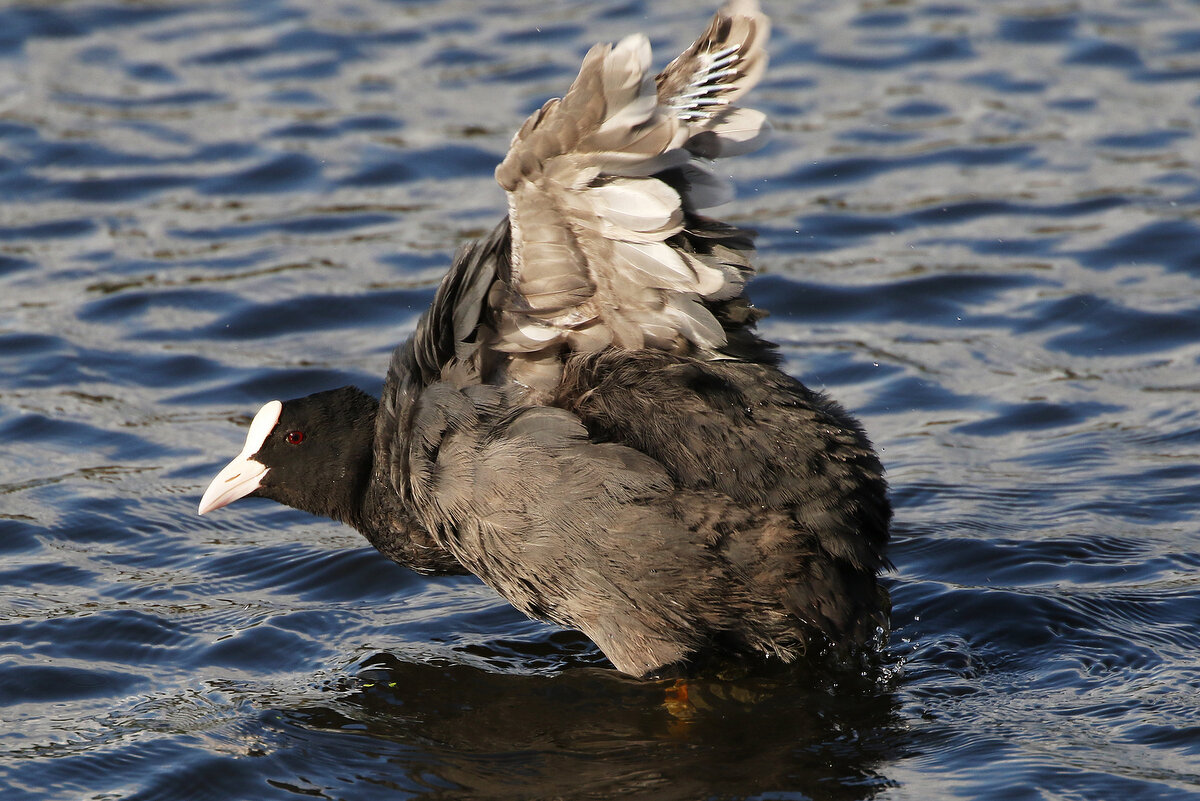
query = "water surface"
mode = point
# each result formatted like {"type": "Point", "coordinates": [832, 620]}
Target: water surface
{"type": "Point", "coordinates": [979, 229]}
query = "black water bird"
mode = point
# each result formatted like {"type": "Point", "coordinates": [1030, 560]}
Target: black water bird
{"type": "Point", "coordinates": [585, 417]}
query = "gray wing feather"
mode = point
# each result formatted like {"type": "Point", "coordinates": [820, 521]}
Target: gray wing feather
{"type": "Point", "coordinates": [528, 504]}
{"type": "Point", "coordinates": [602, 187]}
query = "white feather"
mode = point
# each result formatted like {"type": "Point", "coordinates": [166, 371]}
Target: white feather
{"type": "Point", "coordinates": [695, 322]}
{"type": "Point", "coordinates": [661, 265]}
{"type": "Point", "coordinates": [644, 206]}
{"type": "Point", "coordinates": [740, 131]}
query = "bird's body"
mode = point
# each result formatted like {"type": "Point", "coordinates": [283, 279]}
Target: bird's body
{"type": "Point", "coordinates": [585, 417]}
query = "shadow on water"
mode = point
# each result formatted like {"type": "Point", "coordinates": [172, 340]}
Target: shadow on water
{"type": "Point", "coordinates": [592, 733]}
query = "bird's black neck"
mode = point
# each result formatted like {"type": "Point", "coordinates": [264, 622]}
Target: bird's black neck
{"type": "Point", "coordinates": [381, 514]}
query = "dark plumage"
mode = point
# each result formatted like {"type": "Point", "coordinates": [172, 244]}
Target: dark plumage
{"type": "Point", "coordinates": [585, 417]}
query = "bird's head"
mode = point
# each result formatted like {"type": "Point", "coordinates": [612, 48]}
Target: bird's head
{"type": "Point", "coordinates": [312, 453]}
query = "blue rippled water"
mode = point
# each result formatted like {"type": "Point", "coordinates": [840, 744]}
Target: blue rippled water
{"type": "Point", "coordinates": [979, 229]}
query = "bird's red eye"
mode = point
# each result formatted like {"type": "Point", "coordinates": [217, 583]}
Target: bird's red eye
{"type": "Point", "coordinates": [294, 437]}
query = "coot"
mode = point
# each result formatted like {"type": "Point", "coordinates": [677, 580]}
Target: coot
{"type": "Point", "coordinates": [586, 419]}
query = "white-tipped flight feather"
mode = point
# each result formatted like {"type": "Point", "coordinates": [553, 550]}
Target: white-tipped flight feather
{"type": "Point", "coordinates": [601, 183]}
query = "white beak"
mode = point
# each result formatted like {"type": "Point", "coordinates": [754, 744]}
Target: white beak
{"type": "Point", "coordinates": [243, 475]}
{"type": "Point", "coordinates": [238, 479]}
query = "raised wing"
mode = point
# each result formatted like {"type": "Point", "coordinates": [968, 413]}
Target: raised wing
{"type": "Point", "coordinates": [603, 189]}
{"type": "Point", "coordinates": [448, 332]}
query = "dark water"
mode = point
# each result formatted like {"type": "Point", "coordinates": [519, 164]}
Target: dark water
{"type": "Point", "coordinates": [980, 228]}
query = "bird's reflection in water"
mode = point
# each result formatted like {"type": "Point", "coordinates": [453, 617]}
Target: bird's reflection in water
{"type": "Point", "coordinates": [589, 732]}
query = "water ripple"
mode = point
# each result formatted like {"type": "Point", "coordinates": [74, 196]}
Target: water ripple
{"type": "Point", "coordinates": [977, 231]}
